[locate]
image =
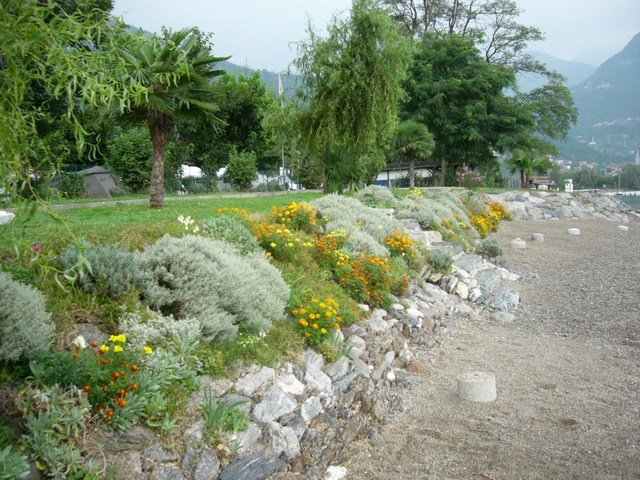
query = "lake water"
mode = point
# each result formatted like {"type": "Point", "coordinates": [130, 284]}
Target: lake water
{"type": "Point", "coordinates": [632, 200]}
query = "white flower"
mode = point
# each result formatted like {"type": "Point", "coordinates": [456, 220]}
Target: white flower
{"type": "Point", "coordinates": [80, 343]}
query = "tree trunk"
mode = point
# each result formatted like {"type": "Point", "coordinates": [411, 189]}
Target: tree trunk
{"type": "Point", "coordinates": [160, 126]}
{"type": "Point", "coordinates": [412, 174]}
{"type": "Point", "coordinates": [325, 170]}
{"type": "Point", "coordinates": [443, 171]}
{"type": "Point", "coordinates": [523, 180]}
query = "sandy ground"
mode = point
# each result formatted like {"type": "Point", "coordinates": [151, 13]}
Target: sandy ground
{"type": "Point", "coordinates": [567, 372]}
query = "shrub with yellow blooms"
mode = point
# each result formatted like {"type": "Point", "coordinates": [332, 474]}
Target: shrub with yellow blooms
{"type": "Point", "coordinates": [318, 319]}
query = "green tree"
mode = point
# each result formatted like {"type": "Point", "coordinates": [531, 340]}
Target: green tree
{"type": "Point", "coordinates": [460, 98]}
{"type": "Point", "coordinates": [528, 162]}
{"type": "Point", "coordinates": [176, 70]}
{"type": "Point", "coordinates": [243, 169]}
{"type": "Point", "coordinates": [413, 141]}
{"type": "Point", "coordinates": [352, 82]}
{"type": "Point", "coordinates": [630, 177]}
{"type": "Point", "coordinates": [41, 46]}
{"type": "Point", "coordinates": [131, 156]}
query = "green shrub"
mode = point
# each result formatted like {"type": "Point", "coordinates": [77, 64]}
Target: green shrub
{"type": "Point", "coordinates": [243, 169]}
{"type": "Point", "coordinates": [197, 189]}
{"type": "Point", "coordinates": [489, 248]}
{"type": "Point", "coordinates": [71, 186]}
{"type": "Point", "coordinates": [131, 157]}
{"type": "Point", "coordinates": [377, 197]}
{"type": "Point", "coordinates": [440, 260]}
{"type": "Point", "coordinates": [144, 327]}
{"type": "Point", "coordinates": [112, 269]}
{"type": "Point", "coordinates": [55, 417]}
{"type": "Point", "coordinates": [210, 281]}
{"type": "Point", "coordinates": [12, 464]}
{"type": "Point", "coordinates": [231, 230]}
{"type": "Point", "coordinates": [25, 325]}
{"type": "Point", "coordinates": [120, 191]}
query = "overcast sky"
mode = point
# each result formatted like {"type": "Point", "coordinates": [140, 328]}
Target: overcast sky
{"type": "Point", "coordinates": [261, 33]}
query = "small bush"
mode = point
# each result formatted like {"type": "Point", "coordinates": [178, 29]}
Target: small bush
{"type": "Point", "coordinates": [377, 197]}
{"type": "Point", "coordinates": [200, 278]}
{"type": "Point", "coordinates": [489, 248]}
{"type": "Point", "coordinates": [243, 169]}
{"type": "Point", "coordinates": [231, 230]}
{"type": "Point", "coordinates": [440, 260]}
{"type": "Point", "coordinates": [71, 186]}
{"type": "Point", "coordinates": [120, 191]}
{"type": "Point", "coordinates": [112, 271]}
{"type": "Point", "coordinates": [12, 464]}
{"type": "Point", "coordinates": [197, 189]}
{"type": "Point", "coordinates": [25, 325]}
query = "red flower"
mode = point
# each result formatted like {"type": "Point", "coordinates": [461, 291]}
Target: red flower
{"type": "Point", "coordinates": [134, 368]}
{"type": "Point", "coordinates": [86, 388]}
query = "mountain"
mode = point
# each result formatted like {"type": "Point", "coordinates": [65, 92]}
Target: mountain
{"type": "Point", "coordinates": [290, 82]}
{"type": "Point", "coordinates": [609, 109]}
{"type": "Point", "coordinates": [575, 72]}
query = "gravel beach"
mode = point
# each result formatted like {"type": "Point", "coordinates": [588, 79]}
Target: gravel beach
{"type": "Point", "coordinates": [567, 372]}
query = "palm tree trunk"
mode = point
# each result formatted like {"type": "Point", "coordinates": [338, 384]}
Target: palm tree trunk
{"type": "Point", "coordinates": [325, 168]}
{"type": "Point", "coordinates": [160, 126]}
{"type": "Point", "coordinates": [443, 171]}
{"type": "Point", "coordinates": [523, 180]}
{"type": "Point", "coordinates": [412, 174]}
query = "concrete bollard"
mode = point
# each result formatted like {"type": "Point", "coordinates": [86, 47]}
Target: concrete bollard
{"type": "Point", "coordinates": [476, 386]}
{"type": "Point", "coordinates": [573, 231]}
{"type": "Point", "coordinates": [537, 237]}
{"type": "Point", "coordinates": [518, 243]}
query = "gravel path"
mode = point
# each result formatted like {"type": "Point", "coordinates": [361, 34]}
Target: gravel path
{"type": "Point", "coordinates": [567, 370]}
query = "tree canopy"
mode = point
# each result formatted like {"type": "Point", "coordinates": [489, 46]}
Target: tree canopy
{"type": "Point", "coordinates": [352, 82]}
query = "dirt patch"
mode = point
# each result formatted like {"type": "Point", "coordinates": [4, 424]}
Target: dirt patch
{"type": "Point", "coordinates": [567, 372]}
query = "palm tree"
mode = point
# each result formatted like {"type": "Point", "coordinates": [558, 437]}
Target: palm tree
{"type": "Point", "coordinates": [528, 163]}
{"type": "Point", "coordinates": [176, 70]}
{"type": "Point", "coordinates": [414, 142]}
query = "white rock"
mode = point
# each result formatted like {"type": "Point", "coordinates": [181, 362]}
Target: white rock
{"type": "Point", "coordinates": [310, 409]}
{"type": "Point", "coordinates": [462, 290]}
{"type": "Point", "coordinates": [290, 384]}
{"type": "Point", "coordinates": [6, 217]}
{"type": "Point", "coordinates": [624, 228]}
{"type": "Point", "coordinates": [415, 314]}
{"type": "Point", "coordinates": [336, 473]}
{"type": "Point", "coordinates": [573, 231]}
{"type": "Point", "coordinates": [475, 294]}
{"type": "Point", "coordinates": [357, 346]}
{"type": "Point", "coordinates": [252, 382]}
{"type": "Point", "coordinates": [537, 237]}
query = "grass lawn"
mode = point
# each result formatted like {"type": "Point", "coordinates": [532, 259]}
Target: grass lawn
{"type": "Point", "coordinates": [131, 224]}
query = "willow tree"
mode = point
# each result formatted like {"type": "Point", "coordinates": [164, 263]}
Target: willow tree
{"type": "Point", "coordinates": [352, 83]}
{"type": "Point", "coordinates": [42, 46]}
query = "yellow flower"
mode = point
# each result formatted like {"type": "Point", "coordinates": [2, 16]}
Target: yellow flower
{"type": "Point", "coordinates": [314, 326]}
{"type": "Point", "coordinates": [324, 331]}
{"type": "Point", "coordinates": [104, 348]}
{"type": "Point", "coordinates": [118, 349]}
{"type": "Point", "coordinates": [314, 300]}
{"type": "Point", "coordinates": [148, 350]}
{"type": "Point", "coordinates": [118, 338]}
{"type": "Point", "coordinates": [328, 314]}
{"type": "Point", "coordinates": [273, 244]}
{"type": "Point", "coordinates": [304, 323]}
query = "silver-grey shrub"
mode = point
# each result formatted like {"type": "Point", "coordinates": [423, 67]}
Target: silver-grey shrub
{"type": "Point", "coordinates": [210, 281]}
{"type": "Point", "coordinates": [231, 230]}
{"type": "Point", "coordinates": [25, 325]}
{"type": "Point", "coordinates": [113, 269]}
{"type": "Point", "coordinates": [368, 228]}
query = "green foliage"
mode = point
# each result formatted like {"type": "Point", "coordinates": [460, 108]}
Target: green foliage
{"type": "Point", "coordinates": [38, 60]}
{"type": "Point", "coordinates": [71, 186]}
{"type": "Point", "coordinates": [231, 230]}
{"type": "Point", "coordinates": [25, 325]}
{"type": "Point", "coordinates": [352, 86]}
{"type": "Point", "coordinates": [377, 197]}
{"type": "Point", "coordinates": [12, 464]}
{"type": "Point", "coordinates": [130, 157]}
{"type": "Point", "coordinates": [144, 327]}
{"type": "Point", "coordinates": [54, 418]}
{"type": "Point", "coordinates": [413, 141]}
{"type": "Point", "coordinates": [210, 281]}
{"type": "Point", "coordinates": [106, 269]}
{"type": "Point", "coordinates": [243, 169]}
{"type": "Point", "coordinates": [460, 98]}
{"type": "Point", "coordinates": [489, 248]}
{"type": "Point", "coordinates": [222, 418]}
{"type": "Point", "coordinates": [440, 260]}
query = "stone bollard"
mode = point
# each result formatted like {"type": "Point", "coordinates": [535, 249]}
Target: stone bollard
{"type": "Point", "coordinates": [573, 231]}
{"type": "Point", "coordinates": [537, 237]}
{"type": "Point", "coordinates": [519, 244]}
{"type": "Point", "coordinates": [623, 228]}
{"type": "Point", "coordinates": [476, 386]}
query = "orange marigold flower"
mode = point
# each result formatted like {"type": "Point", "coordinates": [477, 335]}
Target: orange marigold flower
{"type": "Point", "coordinates": [134, 368]}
